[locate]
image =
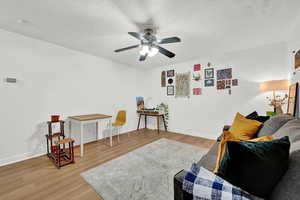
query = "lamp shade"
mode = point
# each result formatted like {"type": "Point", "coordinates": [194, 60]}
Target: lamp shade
{"type": "Point", "coordinates": [274, 85]}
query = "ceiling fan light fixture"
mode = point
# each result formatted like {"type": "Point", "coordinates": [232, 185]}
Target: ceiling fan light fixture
{"type": "Point", "coordinates": [144, 50]}
{"type": "Point", "coordinates": [153, 51]}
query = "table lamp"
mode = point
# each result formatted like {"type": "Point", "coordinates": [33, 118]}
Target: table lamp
{"type": "Point", "coordinates": [275, 85]}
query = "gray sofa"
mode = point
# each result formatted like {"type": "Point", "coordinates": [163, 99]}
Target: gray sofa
{"type": "Point", "coordinates": [289, 186]}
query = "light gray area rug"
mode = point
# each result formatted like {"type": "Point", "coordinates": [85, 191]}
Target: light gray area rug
{"type": "Point", "coordinates": [145, 173]}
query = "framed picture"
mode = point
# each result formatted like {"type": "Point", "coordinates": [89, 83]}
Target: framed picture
{"type": "Point", "coordinates": [235, 82]}
{"type": "Point", "coordinates": [197, 67]}
{"type": "Point", "coordinates": [197, 91]}
{"type": "Point", "coordinates": [209, 73]}
{"type": "Point", "coordinates": [224, 74]}
{"type": "Point", "coordinates": [170, 81]}
{"type": "Point", "coordinates": [170, 90]}
{"type": "Point", "coordinates": [209, 83]}
{"type": "Point", "coordinates": [292, 100]}
{"type": "Point", "coordinates": [163, 79]}
{"type": "Point", "coordinates": [171, 73]}
{"type": "Point", "coordinates": [221, 85]}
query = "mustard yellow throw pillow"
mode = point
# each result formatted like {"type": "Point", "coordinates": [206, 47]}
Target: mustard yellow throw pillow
{"type": "Point", "coordinates": [243, 128]}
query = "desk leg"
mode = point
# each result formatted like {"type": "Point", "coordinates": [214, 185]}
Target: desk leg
{"type": "Point", "coordinates": [163, 117]}
{"type": "Point", "coordinates": [110, 131]}
{"type": "Point", "coordinates": [81, 139]}
{"type": "Point", "coordinates": [97, 130]}
{"type": "Point", "coordinates": [70, 128]}
{"type": "Point", "coordinates": [157, 124]}
{"type": "Point", "coordinates": [145, 121]}
{"type": "Point", "coordinates": [138, 127]}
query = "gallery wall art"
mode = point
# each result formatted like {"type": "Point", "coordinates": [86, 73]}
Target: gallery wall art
{"type": "Point", "coordinates": [197, 91]}
{"type": "Point", "coordinates": [170, 90]}
{"type": "Point", "coordinates": [196, 76]}
{"type": "Point", "coordinates": [170, 81]}
{"type": "Point", "coordinates": [209, 83]}
{"type": "Point", "coordinates": [163, 79]}
{"type": "Point", "coordinates": [209, 73]}
{"type": "Point", "coordinates": [235, 82]}
{"type": "Point", "coordinates": [182, 84]}
{"type": "Point", "coordinates": [171, 73]}
{"type": "Point", "coordinates": [224, 74]}
{"type": "Point", "coordinates": [197, 67]}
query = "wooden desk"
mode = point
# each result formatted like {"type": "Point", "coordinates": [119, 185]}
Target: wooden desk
{"type": "Point", "coordinates": [152, 114]}
{"type": "Point", "coordinates": [86, 119]}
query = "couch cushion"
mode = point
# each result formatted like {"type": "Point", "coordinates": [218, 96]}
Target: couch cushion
{"type": "Point", "coordinates": [273, 124]}
{"type": "Point", "coordinates": [208, 161]}
{"type": "Point", "coordinates": [291, 129]}
{"type": "Point", "coordinates": [288, 187]}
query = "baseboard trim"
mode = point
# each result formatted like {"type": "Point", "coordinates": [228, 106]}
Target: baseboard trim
{"type": "Point", "coordinates": [19, 158]}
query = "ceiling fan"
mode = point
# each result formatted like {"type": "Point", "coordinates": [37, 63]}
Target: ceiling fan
{"type": "Point", "coordinates": [150, 44]}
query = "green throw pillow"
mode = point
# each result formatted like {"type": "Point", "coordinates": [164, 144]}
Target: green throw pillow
{"type": "Point", "coordinates": [256, 167]}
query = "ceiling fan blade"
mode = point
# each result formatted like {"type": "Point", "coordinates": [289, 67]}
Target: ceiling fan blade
{"type": "Point", "coordinates": [165, 52]}
{"type": "Point", "coordinates": [170, 40]}
{"type": "Point", "coordinates": [136, 35]}
{"type": "Point", "coordinates": [143, 57]}
{"type": "Point", "coordinates": [127, 48]}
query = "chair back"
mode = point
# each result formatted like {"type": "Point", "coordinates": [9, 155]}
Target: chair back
{"type": "Point", "coordinates": [121, 117]}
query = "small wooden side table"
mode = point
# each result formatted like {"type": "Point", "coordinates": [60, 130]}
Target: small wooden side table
{"type": "Point", "coordinates": [152, 114]}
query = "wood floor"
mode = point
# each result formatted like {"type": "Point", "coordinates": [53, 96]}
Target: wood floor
{"type": "Point", "coordinates": [38, 179]}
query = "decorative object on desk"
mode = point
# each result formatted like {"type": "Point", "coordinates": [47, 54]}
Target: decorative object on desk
{"type": "Point", "coordinates": [270, 113]}
{"type": "Point", "coordinates": [164, 109]}
{"type": "Point", "coordinates": [197, 91]}
{"type": "Point", "coordinates": [140, 103]}
{"type": "Point", "coordinates": [224, 74]}
{"type": "Point", "coordinates": [170, 90]}
{"type": "Point", "coordinates": [297, 59]}
{"type": "Point", "coordinates": [209, 73]}
{"type": "Point", "coordinates": [183, 81]}
{"type": "Point", "coordinates": [293, 99]}
{"type": "Point", "coordinates": [170, 81]}
{"type": "Point", "coordinates": [221, 84]}
{"type": "Point", "coordinates": [54, 118]}
{"type": "Point", "coordinates": [275, 85]}
{"type": "Point", "coordinates": [171, 73]}
{"type": "Point", "coordinates": [209, 82]}
{"type": "Point", "coordinates": [235, 82]}
{"type": "Point", "coordinates": [163, 79]}
{"type": "Point", "coordinates": [196, 76]}
{"type": "Point", "coordinates": [197, 67]}
{"type": "Point", "coordinates": [56, 146]}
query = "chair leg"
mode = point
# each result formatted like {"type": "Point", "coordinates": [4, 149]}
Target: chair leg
{"type": "Point", "coordinates": [118, 130]}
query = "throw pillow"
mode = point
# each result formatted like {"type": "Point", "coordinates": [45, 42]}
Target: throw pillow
{"type": "Point", "coordinates": [254, 116]}
{"type": "Point", "coordinates": [255, 166]}
{"type": "Point", "coordinates": [244, 129]}
{"type": "Point", "coordinates": [273, 124]}
{"type": "Point", "coordinates": [291, 129]}
{"type": "Point", "coordinates": [203, 184]}
{"type": "Point", "coordinates": [227, 136]}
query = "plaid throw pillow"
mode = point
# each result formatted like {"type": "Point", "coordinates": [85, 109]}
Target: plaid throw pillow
{"type": "Point", "coordinates": [205, 185]}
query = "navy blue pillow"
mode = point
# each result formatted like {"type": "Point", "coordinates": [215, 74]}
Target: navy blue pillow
{"type": "Point", "coordinates": [256, 167]}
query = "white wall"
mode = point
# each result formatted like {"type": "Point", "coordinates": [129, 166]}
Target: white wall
{"type": "Point", "coordinates": [205, 115]}
{"type": "Point", "coordinates": [56, 80]}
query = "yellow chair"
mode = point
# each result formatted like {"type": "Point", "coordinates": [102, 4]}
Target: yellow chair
{"type": "Point", "coordinates": [120, 121]}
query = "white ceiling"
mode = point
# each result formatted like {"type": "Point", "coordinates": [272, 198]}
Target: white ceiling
{"type": "Point", "coordinates": [206, 27]}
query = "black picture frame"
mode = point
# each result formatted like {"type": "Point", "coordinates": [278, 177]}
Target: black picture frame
{"type": "Point", "coordinates": [209, 73]}
{"type": "Point", "coordinates": [171, 73]}
{"type": "Point", "coordinates": [209, 83]}
{"type": "Point", "coordinates": [170, 90]}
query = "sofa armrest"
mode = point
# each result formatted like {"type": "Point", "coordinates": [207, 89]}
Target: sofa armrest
{"type": "Point", "coordinates": [179, 194]}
